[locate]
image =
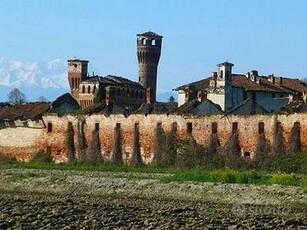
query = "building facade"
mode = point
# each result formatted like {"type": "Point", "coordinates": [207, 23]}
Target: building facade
{"type": "Point", "coordinates": [110, 89]}
{"type": "Point", "coordinates": [229, 90]}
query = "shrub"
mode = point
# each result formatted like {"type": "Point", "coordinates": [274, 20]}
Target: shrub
{"type": "Point", "coordinates": [4, 159]}
{"type": "Point", "coordinates": [94, 155]}
{"type": "Point", "coordinates": [82, 146]}
{"type": "Point", "coordinates": [278, 145]}
{"type": "Point", "coordinates": [232, 152]}
{"type": "Point", "coordinates": [159, 145]}
{"type": "Point", "coordinates": [283, 179]}
{"type": "Point", "coordinates": [70, 142]}
{"type": "Point", "coordinates": [117, 156]}
{"type": "Point", "coordinates": [42, 157]}
{"type": "Point", "coordinates": [295, 139]}
{"type": "Point", "coordinates": [189, 153]}
{"type": "Point", "coordinates": [260, 157]}
{"type": "Point", "coordinates": [213, 158]}
{"type": "Point", "coordinates": [169, 150]}
{"type": "Point", "coordinates": [136, 158]}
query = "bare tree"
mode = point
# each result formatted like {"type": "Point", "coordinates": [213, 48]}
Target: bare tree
{"type": "Point", "coordinates": [42, 99]}
{"type": "Point", "coordinates": [15, 97]}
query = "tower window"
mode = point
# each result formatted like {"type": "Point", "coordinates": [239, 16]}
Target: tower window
{"type": "Point", "coordinates": [75, 65]}
{"type": "Point", "coordinates": [144, 41]}
{"type": "Point", "coordinates": [153, 42]}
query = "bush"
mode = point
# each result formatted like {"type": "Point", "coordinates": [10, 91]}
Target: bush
{"type": "Point", "coordinates": [136, 158]}
{"type": "Point", "coordinates": [4, 159]}
{"type": "Point", "coordinates": [278, 145]}
{"type": "Point", "coordinates": [94, 155]}
{"type": "Point", "coordinates": [117, 156]}
{"type": "Point", "coordinates": [232, 152]}
{"type": "Point", "coordinates": [261, 156]}
{"type": "Point", "coordinates": [213, 159]}
{"type": "Point", "coordinates": [70, 142]}
{"type": "Point", "coordinates": [42, 157]}
{"type": "Point", "coordinates": [295, 139]}
{"type": "Point", "coordinates": [82, 146]}
{"type": "Point", "coordinates": [283, 179]}
{"type": "Point", "coordinates": [159, 146]}
{"type": "Point", "coordinates": [290, 163]}
{"type": "Point", "coordinates": [189, 153]}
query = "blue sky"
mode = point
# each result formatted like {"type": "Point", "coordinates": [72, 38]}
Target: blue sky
{"type": "Point", "coordinates": [267, 35]}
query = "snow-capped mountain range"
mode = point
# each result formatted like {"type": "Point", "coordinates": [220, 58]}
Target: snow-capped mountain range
{"type": "Point", "coordinates": [41, 79]}
{"type": "Point", "coordinates": [34, 79]}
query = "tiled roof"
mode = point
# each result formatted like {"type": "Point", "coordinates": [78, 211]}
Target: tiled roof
{"type": "Point", "coordinates": [27, 111]}
{"type": "Point", "coordinates": [201, 84]}
{"type": "Point", "coordinates": [284, 85]}
{"type": "Point", "coordinates": [149, 34]}
{"type": "Point", "coordinates": [114, 80]}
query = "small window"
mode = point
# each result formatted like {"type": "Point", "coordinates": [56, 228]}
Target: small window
{"type": "Point", "coordinates": [189, 127]}
{"type": "Point", "coordinates": [144, 41]}
{"type": "Point", "coordinates": [83, 89]}
{"type": "Point", "coordinates": [261, 128]}
{"type": "Point", "coordinates": [153, 42]}
{"type": "Point", "coordinates": [234, 127]}
{"type": "Point", "coordinates": [118, 91]}
{"type": "Point", "coordinates": [132, 93]}
{"type": "Point", "coordinates": [214, 127]}
{"type": "Point", "coordinates": [88, 89]}
{"type": "Point", "coordinates": [75, 65]}
{"type": "Point", "coordinates": [96, 127]}
{"type": "Point", "coordinates": [117, 126]}
{"type": "Point", "coordinates": [159, 124]}
{"type": "Point", "coordinates": [247, 154]}
{"type": "Point", "coordinates": [49, 127]}
{"type": "Point", "coordinates": [94, 89]}
{"type": "Point", "coordinates": [83, 127]}
{"type": "Point", "coordinates": [174, 127]}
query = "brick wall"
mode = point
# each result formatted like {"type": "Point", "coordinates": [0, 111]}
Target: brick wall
{"type": "Point", "coordinates": [200, 127]}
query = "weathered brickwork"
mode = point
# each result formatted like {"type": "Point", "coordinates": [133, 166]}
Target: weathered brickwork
{"type": "Point", "coordinates": [25, 142]}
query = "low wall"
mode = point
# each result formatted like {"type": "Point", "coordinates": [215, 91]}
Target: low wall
{"type": "Point", "coordinates": [52, 138]}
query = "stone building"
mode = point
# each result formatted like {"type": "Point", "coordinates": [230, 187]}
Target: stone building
{"type": "Point", "coordinates": [110, 89]}
{"type": "Point", "coordinates": [229, 90]}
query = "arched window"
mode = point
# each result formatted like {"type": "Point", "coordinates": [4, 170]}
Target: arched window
{"type": "Point", "coordinates": [153, 42]}
{"type": "Point", "coordinates": [89, 89]}
{"type": "Point", "coordinates": [143, 41]}
{"type": "Point", "coordinates": [83, 89]}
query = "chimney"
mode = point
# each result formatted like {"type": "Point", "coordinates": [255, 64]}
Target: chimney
{"type": "Point", "coordinates": [254, 75]}
{"type": "Point", "coordinates": [278, 80]}
{"type": "Point", "coordinates": [248, 75]}
{"type": "Point", "coordinates": [271, 78]}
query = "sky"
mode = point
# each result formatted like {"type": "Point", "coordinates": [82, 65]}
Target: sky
{"type": "Point", "coordinates": [266, 35]}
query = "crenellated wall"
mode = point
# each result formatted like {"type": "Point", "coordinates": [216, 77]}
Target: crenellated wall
{"type": "Point", "coordinates": [25, 142]}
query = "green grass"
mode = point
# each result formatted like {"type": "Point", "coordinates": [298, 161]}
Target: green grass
{"type": "Point", "coordinates": [259, 177]}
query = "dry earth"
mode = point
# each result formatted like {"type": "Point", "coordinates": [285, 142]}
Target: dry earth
{"type": "Point", "coordinates": [53, 199]}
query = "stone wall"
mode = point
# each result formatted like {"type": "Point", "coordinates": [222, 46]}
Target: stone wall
{"type": "Point", "coordinates": [24, 142]}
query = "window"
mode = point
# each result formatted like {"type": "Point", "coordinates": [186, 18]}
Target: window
{"type": "Point", "coordinates": [88, 89]}
{"type": "Point", "coordinates": [143, 41]}
{"type": "Point", "coordinates": [174, 127]}
{"type": "Point", "coordinates": [118, 91]}
{"type": "Point", "coordinates": [214, 127]}
{"type": "Point", "coordinates": [49, 127]}
{"type": "Point", "coordinates": [96, 127]}
{"type": "Point", "coordinates": [261, 128]}
{"type": "Point", "coordinates": [153, 42]}
{"type": "Point", "coordinates": [94, 89]}
{"type": "Point", "coordinates": [132, 93]}
{"type": "Point", "coordinates": [189, 127]}
{"type": "Point", "coordinates": [83, 127]}
{"type": "Point", "coordinates": [234, 127]}
{"type": "Point", "coordinates": [83, 89]}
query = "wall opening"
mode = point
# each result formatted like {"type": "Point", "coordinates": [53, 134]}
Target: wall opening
{"type": "Point", "coordinates": [189, 127]}
{"type": "Point", "coordinates": [214, 127]}
{"type": "Point", "coordinates": [83, 127]}
{"type": "Point", "coordinates": [49, 127]}
{"type": "Point", "coordinates": [234, 127]}
{"type": "Point", "coordinates": [97, 127]}
{"type": "Point", "coordinates": [260, 127]}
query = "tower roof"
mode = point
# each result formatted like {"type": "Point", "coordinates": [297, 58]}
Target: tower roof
{"type": "Point", "coordinates": [150, 34]}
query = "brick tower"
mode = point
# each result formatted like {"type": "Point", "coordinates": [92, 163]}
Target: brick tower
{"type": "Point", "coordinates": [77, 72]}
{"type": "Point", "coordinates": [148, 51]}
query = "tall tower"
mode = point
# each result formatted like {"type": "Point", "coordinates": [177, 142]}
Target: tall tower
{"type": "Point", "coordinates": [148, 51]}
{"type": "Point", "coordinates": [77, 72]}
